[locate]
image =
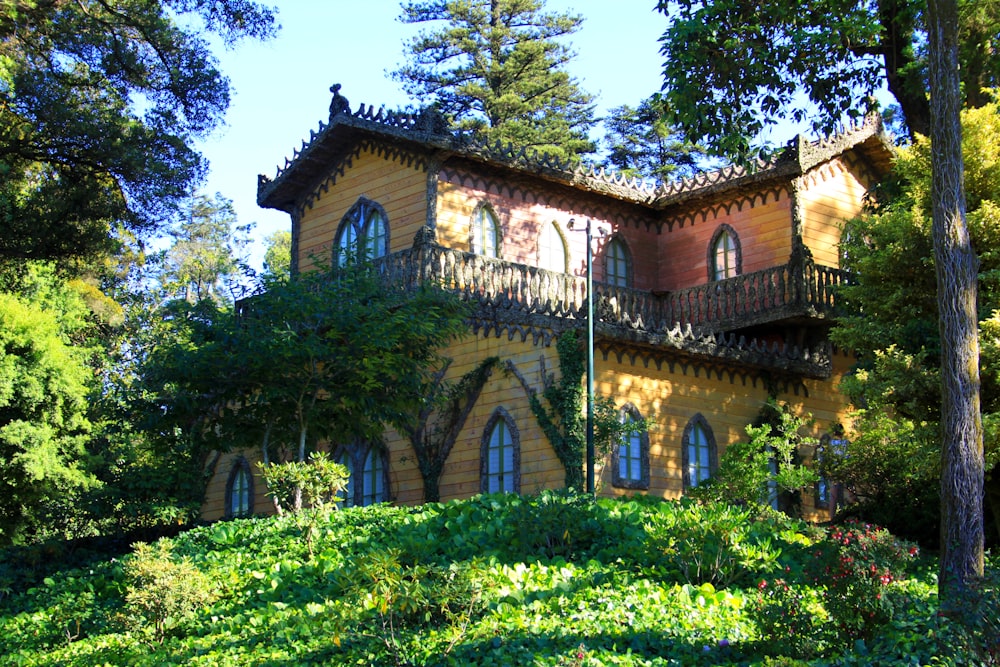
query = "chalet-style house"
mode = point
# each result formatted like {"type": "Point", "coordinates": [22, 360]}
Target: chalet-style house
{"type": "Point", "coordinates": [713, 293]}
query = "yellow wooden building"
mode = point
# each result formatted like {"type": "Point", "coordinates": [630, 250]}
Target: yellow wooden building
{"type": "Point", "coordinates": [711, 294]}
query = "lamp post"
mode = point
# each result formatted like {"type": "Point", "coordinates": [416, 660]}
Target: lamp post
{"type": "Point", "coordinates": [590, 348]}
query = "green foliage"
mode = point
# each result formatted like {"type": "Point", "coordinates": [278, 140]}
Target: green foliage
{"type": "Point", "coordinates": [893, 301]}
{"type": "Point", "coordinates": [497, 68]}
{"type": "Point", "coordinates": [564, 419]}
{"type": "Point", "coordinates": [640, 143]}
{"type": "Point", "coordinates": [749, 472]}
{"type": "Point", "coordinates": [857, 564]}
{"type": "Point", "coordinates": [451, 404]}
{"type": "Point", "coordinates": [44, 385]}
{"type": "Point", "coordinates": [315, 483]}
{"type": "Point", "coordinates": [102, 103]}
{"type": "Point", "coordinates": [205, 260]}
{"type": "Point", "coordinates": [449, 584]}
{"type": "Point", "coordinates": [162, 592]}
{"type": "Point", "coordinates": [278, 256]}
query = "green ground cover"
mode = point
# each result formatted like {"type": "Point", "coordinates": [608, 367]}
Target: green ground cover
{"type": "Point", "coordinates": [554, 579]}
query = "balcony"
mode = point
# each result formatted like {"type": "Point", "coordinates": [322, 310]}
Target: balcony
{"type": "Point", "coordinates": [771, 295]}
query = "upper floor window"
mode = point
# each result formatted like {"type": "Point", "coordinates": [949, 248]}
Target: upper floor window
{"type": "Point", "coordinates": [500, 455]}
{"type": "Point", "coordinates": [698, 452]}
{"type": "Point", "coordinates": [617, 264]}
{"type": "Point", "coordinates": [630, 458]}
{"type": "Point", "coordinates": [725, 256]}
{"type": "Point", "coordinates": [552, 249]}
{"type": "Point", "coordinates": [363, 233]}
{"type": "Point", "coordinates": [485, 232]}
{"type": "Point", "coordinates": [239, 490]}
{"type": "Point", "coordinates": [344, 459]}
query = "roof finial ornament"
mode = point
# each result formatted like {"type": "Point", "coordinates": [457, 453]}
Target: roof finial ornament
{"type": "Point", "coordinates": [339, 103]}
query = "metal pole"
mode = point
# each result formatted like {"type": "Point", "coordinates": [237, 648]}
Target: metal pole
{"type": "Point", "coordinates": [590, 364]}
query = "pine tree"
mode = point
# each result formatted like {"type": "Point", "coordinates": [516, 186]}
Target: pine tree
{"type": "Point", "coordinates": [496, 68]}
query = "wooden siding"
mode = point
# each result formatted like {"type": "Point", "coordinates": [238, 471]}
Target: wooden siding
{"type": "Point", "coordinates": [523, 221]}
{"type": "Point", "coordinates": [400, 190]}
{"type": "Point", "coordinates": [834, 193]}
{"type": "Point", "coordinates": [764, 231]}
{"type": "Point", "coordinates": [669, 398]}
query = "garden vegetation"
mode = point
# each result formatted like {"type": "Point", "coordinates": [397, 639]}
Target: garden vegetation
{"type": "Point", "coordinates": [554, 579]}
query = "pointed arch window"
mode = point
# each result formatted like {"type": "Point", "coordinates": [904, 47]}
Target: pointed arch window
{"type": "Point", "coordinates": [373, 478]}
{"type": "Point", "coordinates": [239, 490]}
{"type": "Point", "coordinates": [363, 233]}
{"type": "Point", "coordinates": [725, 256]}
{"type": "Point", "coordinates": [368, 482]}
{"type": "Point", "coordinates": [500, 456]}
{"type": "Point", "coordinates": [617, 264]}
{"type": "Point", "coordinates": [485, 232]}
{"type": "Point", "coordinates": [630, 458]}
{"type": "Point", "coordinates": [699, 456]}
{"type": "Point", "coordinates": [827, 494]}
{"type": "Point", "coordinates": [552, 254]}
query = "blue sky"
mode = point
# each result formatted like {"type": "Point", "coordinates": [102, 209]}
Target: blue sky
{"type": "Point", "coordinates": [281, 87]}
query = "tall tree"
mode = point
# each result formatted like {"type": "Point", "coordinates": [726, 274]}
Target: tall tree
{"type": "Point", "coordinates": [44, 384]}
{"type": "Point", "coordinates": [497, 68]}
{"type": "Point", "coordinates": [640, 143]}
{"type": "Point", "coordinates": [206, 259]}
{"type": "Point", "coordinates": [733, 67]}
{"type": "Point", "coordinates": [100, 101]}
{"type": "Point", "coordinates": [278, 256]}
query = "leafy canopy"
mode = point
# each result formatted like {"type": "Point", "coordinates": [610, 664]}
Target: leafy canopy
{"type": "Point", "coordinates": [100, 101]}
{"type": "Point", "coordinates": [497, 68]}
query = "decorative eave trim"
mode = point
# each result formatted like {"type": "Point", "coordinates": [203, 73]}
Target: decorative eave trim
{"type": "Point", "coordinates": [320, 157]}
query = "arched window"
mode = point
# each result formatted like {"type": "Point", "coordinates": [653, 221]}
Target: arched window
{"type": "Point", "coordinates": [698, 452]}
{"type": "Point", "coordinates": [363, 233]}
{"type": "Point", "coordinates": [552, 253]}
{"type": "Point", "coordinates": [827, 494]}
{"type": "Point", "coordinates": [373, 478]}
{"type": "Point", "coordinates": [368, 482]}
{"type": "Point", "coordinates": [239, 490]}
{"type": "Point", "coordinates": [725, 257]}
{"type": "Point", "coordinates": [485, 232]}
{"type": "Point", "coordinates": [500, 456]}
{"type": "Point", "coordinates": [617, 264]}
{"type": "Point", "coordinates": [630, 458]}
{"type": "Point", "coordinates": [344, 458]}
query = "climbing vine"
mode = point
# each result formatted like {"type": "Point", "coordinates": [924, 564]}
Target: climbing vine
{"type": "Point", "coordinates": [562, 416]}
{"type": "Point", "coordinates": [452, 403]}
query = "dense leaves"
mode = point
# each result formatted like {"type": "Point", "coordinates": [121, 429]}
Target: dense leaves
{"type": "Point", "coordinates": [99, 103]}
{"type": "Point", "coordinates": [497, 68]}
{"type": "Point", "coordinates": [553, 579]}
{"type": "Point", "coordinates": [894, 330]}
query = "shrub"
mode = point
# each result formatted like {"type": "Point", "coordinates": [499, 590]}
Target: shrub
{"type": "Point", "coordinates": [855, 565]}
{"type": "Point", "coordinates": [297, 484]}
{"type": "Point", "coordinates": [789, 621]}
{"type": "Point", "coordinates": [162, 591]}
{"type": "Point", "coordinates": [770, 457]}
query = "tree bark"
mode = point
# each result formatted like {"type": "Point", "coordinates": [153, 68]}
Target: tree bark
{"type": "Point", "coordinates": [956, 269]}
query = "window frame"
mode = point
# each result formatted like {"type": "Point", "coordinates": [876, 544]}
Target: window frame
{"type": "Point", "coordinates": [724, 233]}
{"type": "Point", "coordinates": [547, 251]}
{"type": "Point", "coordinates": [356, 456]}
{"type": "Point", "coordinates": [500, 416]}
{"type": "Point", "coordinates": [353, 231]}
{"type": "Point", "coordinates": [241, 469]}
{"type": "Point", "coordinates": [477, 231]}
{"type": "Point", "coordinates": [614, 278]}
{"type": "Point", "coordinates": [630, 412]}
{"type": "Point", "coordinates": [696, 422]}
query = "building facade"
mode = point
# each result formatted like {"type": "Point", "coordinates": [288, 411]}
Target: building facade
{"type": "Point", "coordinates": [712, 294]}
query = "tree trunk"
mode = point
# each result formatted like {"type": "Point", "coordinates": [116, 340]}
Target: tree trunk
{"type": "Point", "coordinates": [956, 268]}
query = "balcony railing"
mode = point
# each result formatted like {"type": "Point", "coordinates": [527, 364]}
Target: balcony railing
{"type": "Point", "coordinates": [772, 294]}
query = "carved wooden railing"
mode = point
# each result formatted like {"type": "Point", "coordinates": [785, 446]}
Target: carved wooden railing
{"type": "Point", "coordinates": [753, 298]}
